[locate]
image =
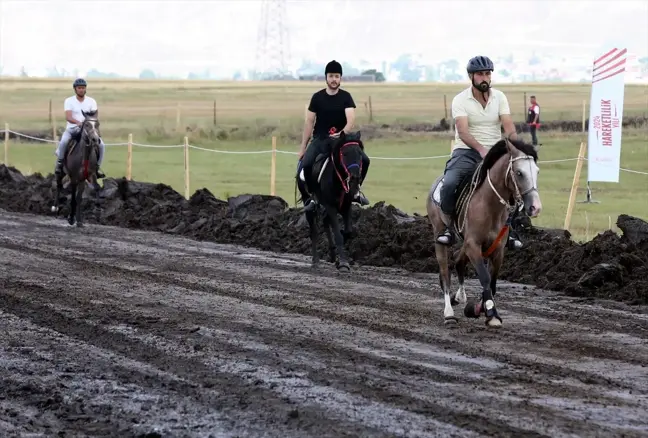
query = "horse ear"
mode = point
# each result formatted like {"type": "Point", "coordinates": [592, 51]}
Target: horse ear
{"type": "Point", "coordinates": [509, 146]}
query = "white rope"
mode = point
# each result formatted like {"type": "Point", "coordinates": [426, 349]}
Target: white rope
{"type": "Point", "coordinates": [220, 151]}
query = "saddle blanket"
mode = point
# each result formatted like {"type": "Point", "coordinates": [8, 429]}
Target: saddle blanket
{"type": "Point", "coordinates": [319, 178]}
{"type": "Point", "coordinates": [436, 194]}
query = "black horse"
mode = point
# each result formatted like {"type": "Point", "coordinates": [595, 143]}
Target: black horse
{"type": "Point", "coordinates": [80, 164]}
{"type": "Point", "coordinates": [336, 178]}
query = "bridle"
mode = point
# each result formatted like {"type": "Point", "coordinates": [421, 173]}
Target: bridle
{"type": "Point", "coordinates": [517, 194]}
{"type": "Point", "coordinates": [344, 181]}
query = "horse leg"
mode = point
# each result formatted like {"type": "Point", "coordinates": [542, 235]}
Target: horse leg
{"type": "Point", "coordinates": [339, 240]}
{"type": "Point", "coordinates": [348, 232]}
{"type": "Point", "coordinates": [57, 200]}
{"type": "Point", "coordinates": [79, 203]}
{"type": "Point", "coordinates": [496, 264]}
{"type": "Point", "coordinates": [460, 266]}
{"type": "Point", "coordinates": [73, 202]}
{"type": "Point", "coordinates": [329, 237]}
{"type": "Point", "coordinates": [444, 279]}
{"type": "Point", "coordinates": [311, 217]}
{"type": "Point", "coordinates": [472, 309]}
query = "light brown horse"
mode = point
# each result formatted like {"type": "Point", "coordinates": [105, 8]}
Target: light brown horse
{"type": "Point", "coordinates": [507, 179]}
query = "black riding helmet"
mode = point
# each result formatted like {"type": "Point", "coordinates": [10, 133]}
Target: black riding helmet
{"type": "Point", "coordinates": [333, 67]}
{"type": "Point", "coordinates": [480, 63]}
{"type": "Point", "coordinates": [80, 82]}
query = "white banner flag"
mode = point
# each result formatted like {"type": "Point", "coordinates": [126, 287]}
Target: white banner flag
{"type": "Point", "coordinates": [606, 116]}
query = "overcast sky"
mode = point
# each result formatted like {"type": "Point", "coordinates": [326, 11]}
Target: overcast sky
{"type": "Point", "coordinates": [174, 36]}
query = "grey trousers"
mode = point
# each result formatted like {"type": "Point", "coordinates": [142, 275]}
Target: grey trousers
{"type": "Point", "coordinates": [463, 162]}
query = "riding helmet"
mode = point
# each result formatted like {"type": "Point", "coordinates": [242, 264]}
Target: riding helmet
{"type": "Point", "coordinates": [480, 63]}
{"type": "Point", "coordinates": [333, 67]}
{"type": "Point", "coordinates": [80, 82]}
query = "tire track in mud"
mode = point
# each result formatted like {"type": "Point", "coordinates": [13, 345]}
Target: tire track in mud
{"type": "Point", "coordinates": [382, 348]}
{"type": "Point", "coordinates": [419, 399]}
{"type": "Point", "coordinates": [329, 308]}
{"type": "Point", "coordinates": [205, 385]}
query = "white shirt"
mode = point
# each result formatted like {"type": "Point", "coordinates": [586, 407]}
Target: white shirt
{"type": "Point", "coordinates": [73, 104]}
{"type": "Point", "coordinates": [483, 123]}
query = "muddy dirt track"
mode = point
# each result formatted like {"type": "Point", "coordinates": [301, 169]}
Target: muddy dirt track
{"type": "Point", "coordinates": [113, 332]}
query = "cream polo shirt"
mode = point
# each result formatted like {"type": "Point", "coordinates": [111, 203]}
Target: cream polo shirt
{"type": "Point", "coordinates": [483, 123]}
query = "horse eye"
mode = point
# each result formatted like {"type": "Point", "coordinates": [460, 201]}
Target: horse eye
{"type": "Point", "coordinates": [518, 173]}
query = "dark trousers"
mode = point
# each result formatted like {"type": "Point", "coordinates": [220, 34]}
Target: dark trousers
{"type": "Point", "coordinates": [462, 163]}
{"type": "Point", "coordinates": [534, 137]}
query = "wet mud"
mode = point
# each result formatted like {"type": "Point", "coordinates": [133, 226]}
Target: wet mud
{"type": "Point", "coordinates": [106, 331]}
{"type": "Point", "coordinates": [610, 266]}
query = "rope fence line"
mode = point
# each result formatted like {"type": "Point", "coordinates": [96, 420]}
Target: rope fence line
{"type": "Point", "coordinates": [278, 151]}
{"type": "Point", "coordinates": [273, 164]}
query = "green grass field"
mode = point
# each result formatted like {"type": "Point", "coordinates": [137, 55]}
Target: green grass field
{"type": "Point", "coordinates": [252, 113]}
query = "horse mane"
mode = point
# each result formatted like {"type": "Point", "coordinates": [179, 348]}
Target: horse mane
{"type": "Point", "coordinates": [498, 150]}
{"type": "Point", "coordinates": [87, 114]}
{"type": "Point", "coordinates": [346, 138]}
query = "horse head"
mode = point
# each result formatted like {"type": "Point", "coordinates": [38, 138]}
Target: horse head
{"type": "Point", "coordinates": [90, 129]}
{"type": "Point", "coordinates": [347, 158]}
{"type": "Point", "coordinates": [524, 170]}
{"type": "Point", "coordinates": [513, 164]}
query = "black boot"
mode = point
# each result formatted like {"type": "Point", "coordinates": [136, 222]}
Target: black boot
{"type": "Point", "coordinates": [445, 237]}
{"type": "Point", "coordinates": [311, 203]}
{"type": "Point", "coordinates": [100, 174]}
{"type": "Point", "coordinates": [360, 198]}
{"type": "Point", "coordinates": [58, 169]}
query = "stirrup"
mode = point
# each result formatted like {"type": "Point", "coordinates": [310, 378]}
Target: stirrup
{"type": "Point", "coordinates": [310, 205]}
{"type": "Point", "coordinates": [446, 235]}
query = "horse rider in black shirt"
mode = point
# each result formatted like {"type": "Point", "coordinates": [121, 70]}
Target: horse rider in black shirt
{"type": "Point", "coordinates": [331, 110]}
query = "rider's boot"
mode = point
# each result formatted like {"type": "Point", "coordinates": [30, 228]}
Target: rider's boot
{"type": "Point", "coordinates": [445, 237]}
{"type": "Point", "coordinates": [310, 204]}
{"type": "Point", "coordinates": [513, 241]}
{"type": "Point", "coordinates": [58, 169]}
{"type": "Point", "coordinates": [100, 174]}
{"type": "Point", "coordinates": [360, 198]}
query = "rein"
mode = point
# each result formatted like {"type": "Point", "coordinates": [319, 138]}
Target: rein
{"type": "Point", "coordinates": [86, 160]}
{"type": "Point", "coordinates": [344, 181]}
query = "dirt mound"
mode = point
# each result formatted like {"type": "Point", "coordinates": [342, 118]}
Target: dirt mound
{"type": "Point", "coordinates": [609, 266]}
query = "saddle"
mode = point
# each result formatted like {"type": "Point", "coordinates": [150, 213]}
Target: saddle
{"type": "Point", "coordinates": [322, 161]}
{"type": "Point", "coordinates": [461, 198]}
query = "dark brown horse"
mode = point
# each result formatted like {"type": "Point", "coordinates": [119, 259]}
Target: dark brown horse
{"type": "Point", "coordinates": [80, 165]}
{"type": "Point", "coordinates": [506, 180]}
{"type": "Point", "coordinates": [337, 176]}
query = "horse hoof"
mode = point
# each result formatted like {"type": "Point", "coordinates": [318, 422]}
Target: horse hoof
{"type": "Point", "coordinates": [344, 267]}
{"type": "Point", "coordinates": [494, 322]}
{"type": "Point", "coordinates": [472, 309]}
{"type": "Point", "coordinates": [451, 320]}
{"type": "Point", "coordinates": [80, 225]}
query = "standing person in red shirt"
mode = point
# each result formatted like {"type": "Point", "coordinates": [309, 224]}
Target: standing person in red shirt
{"type": "Point", "coordinates": [533, 119]}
